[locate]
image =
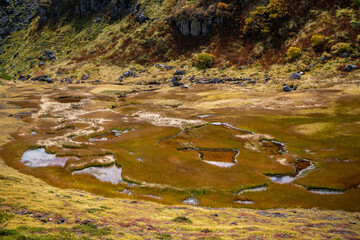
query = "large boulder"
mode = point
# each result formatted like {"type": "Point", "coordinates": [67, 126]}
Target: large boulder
{"type": "Point", "coordinates": [195, 27]}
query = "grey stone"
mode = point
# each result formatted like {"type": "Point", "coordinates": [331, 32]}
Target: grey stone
{"type": "Point", "coordinates": [49, 55]}
{"type": "Point", "coordinates": [215, 80]}
{"type": "Point", "coordinates": [295, 76]}
{"type": "Point", "coordinates": [345, 55]}
{"type": "Point", "coordinates": [141, 18]}
{"type": "Point", "coordinates": [185, 28]}
{"type": "Point", "coordinates": [286, 88]}
{"type": "Point", "coordinates": [350, 68]}
{"type": "Point", "coordinates": [195, 27]}
{"type": "Point", "coordinates": [169, 67]}
{"type": "Point", "coordinates": [179, 72]}
{"type": "Point", "coordinates": [127, 74]}
{"type": "Point", "coordinates": [177, 84]}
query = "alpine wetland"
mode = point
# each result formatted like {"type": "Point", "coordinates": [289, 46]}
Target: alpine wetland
{"type": "Point", "coordinates": [189, 119]}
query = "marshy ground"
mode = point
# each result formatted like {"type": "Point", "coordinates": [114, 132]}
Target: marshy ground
{"type": "Point", "coordinates": [217, 145]}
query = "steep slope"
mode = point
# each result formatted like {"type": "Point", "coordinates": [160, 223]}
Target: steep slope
{"type": "Point", "coordinates": [119, 33]}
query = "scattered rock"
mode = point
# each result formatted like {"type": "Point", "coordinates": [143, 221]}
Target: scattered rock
{"type": "Point", "coordinates": [179, 72]}
{"type": "Point", "coordinates": [277, 214]}
{"type": "Point", "coordinates": [295, 76]}
{"type": "Point", "coordinates": [127, 74]}
{"type": "Point", "coordinates": [215, 80]}
{"type": "Point", "coordinates": [350, 68]}
{"type": "Point", "coordinates": [49, 55]}
{"type": "Point", "coordinates": [345, 55]}
{"type": "Point", "coordinates": [177, 84]}
{"type": "Point", "coordinates": [286, 88]}
{"type": "Point", "coordinates": [141, 18]}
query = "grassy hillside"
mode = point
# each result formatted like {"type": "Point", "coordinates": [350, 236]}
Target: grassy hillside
{"type": "Point", "coordinates": [242, 34]}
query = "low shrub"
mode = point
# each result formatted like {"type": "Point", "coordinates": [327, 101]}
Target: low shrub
{"type": "Point", "coordinates": [293, 53]}
{"type": "Point", "coordinates": [263, 19]}
{"type": "Point", "coordinates": [5, 219]}
{"type": "Point", "coordinates": [182, 220]}
{"type": "Point", "coordinates": [318, 42]}
{"type": "Point", "coordinates": [4, 75]}
{"type": "Point", "coordinates": [356, 4]}
{"type": "Point", "coordinates": [326, 56]}
{"type": "Point", "coordinates": [222, 6]}
{"type": "Point", "coordinates": [92, 229]}
{"type": "Point", "coordinates": [204, 60]}
{"type": "Point", "coordinates": [341, 48]}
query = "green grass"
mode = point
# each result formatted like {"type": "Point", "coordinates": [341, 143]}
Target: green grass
{"type": "Point", "coordinates": [163, 236]}
{"type": "Point", "coordinates": [94, 210]}
{"type": "Point", "coordinates": [182, 220]}
{"type": "Point", "coordinates": [92, 230]}
{"type": "Point", "coordinates": [5, 76]}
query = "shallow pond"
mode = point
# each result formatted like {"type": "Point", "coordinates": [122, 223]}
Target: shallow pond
{"type": "Point", "coordinates": [244, 202]}
{"type": "Point", "coordinates": [300, 167]}
{"type": "Point", "coordinates": [40, 158]}
{"type": "Point", "coordinates": [191, 201]}
{"type": "Point", "coordinates": [109, 135]}
{"type": "Point", "coordinates": [219, 162]}
{"type": "Point", "coordinates": [258, 189]}
{"type": "Point", "coordinates": [110, 174]}
{"type": "Point", "coordinates": [326, 191]}
{"type": "Point", "coordinates": [69, 99]}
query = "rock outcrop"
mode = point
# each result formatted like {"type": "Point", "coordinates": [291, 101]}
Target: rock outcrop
{"type": "Point", "coordinates": [200, 19]}
{"type": "Point", "coordinates": [55, 8]}
{"type": "Point", "coordinates": [16, 15]}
